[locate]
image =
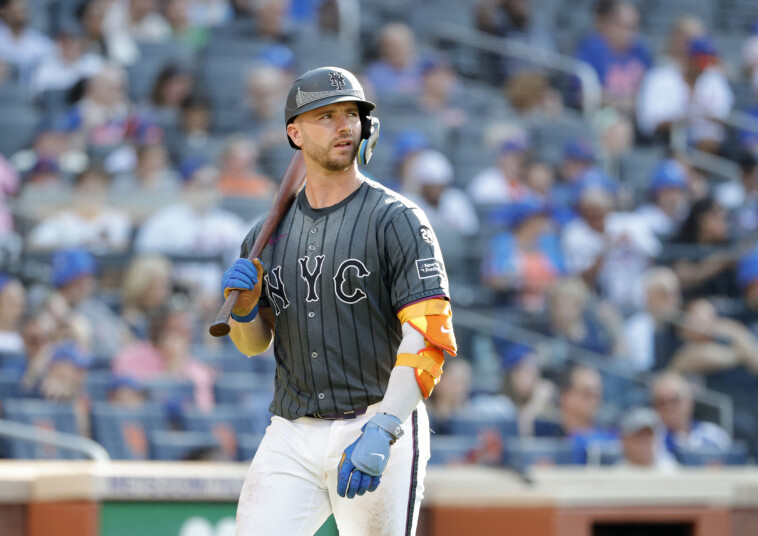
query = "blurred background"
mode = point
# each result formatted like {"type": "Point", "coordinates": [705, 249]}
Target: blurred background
{"type": "Point", "coordinates": [589, 168]}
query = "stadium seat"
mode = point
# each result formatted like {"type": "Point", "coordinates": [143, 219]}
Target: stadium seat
{"type": "Point", "coordinates": [449, 449]}
{"type": "Point", "coordinates": [17, 126]}
{"type": "Point", "coordinates": [179, 445]}
{"type": "Point", "coordinates": [153, 58]}
{"type": "Point", "coordinates": [224, 423]}
{"type": "Point", "coordinates": [522, 453]}
{"type": "Point", "coordinates": [240, 388]}
{"type": "Point", "coordinates": [96, 385]}
{"type": "Point", "coordinates": [45, 415]}
{"type": "Point", "coordinates": [705, 457]}
{"type": "Point", "coordinates": [472, 425]}
{"type": "Point", "coordinates": [123, 431]}
{"type": "Point", "coordinates": [168, 391]}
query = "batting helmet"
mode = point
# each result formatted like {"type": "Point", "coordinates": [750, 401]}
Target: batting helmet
{"type": "Point", "coordinates": [327, 85]}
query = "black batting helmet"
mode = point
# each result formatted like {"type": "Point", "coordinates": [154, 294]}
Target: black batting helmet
{"type": "Point", "coordinates": [326, 85]}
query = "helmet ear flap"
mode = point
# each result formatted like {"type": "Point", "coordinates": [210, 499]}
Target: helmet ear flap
{"type": "Point", "coordinates": [369, 137]}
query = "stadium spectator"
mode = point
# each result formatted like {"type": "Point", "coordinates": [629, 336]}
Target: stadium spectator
{"type": "Point", "coordinates": [209, 13]}
{"type": "Point", "coordinates": [741, 198]}
{"type": "Point", "coordinates": [140, 19]}
{"type": "Point", "coordinates": [706, 264]}
{"type": "Point", "coordinates": [669, 203]}
{"type": "Point", "coordinates": [88, 223]}
{"type": "Point", "coordinates": [116, 46]}
{"type": "Point", "coordinates": [21, 46]}
{"type": "Point", "coordinates": [173, 84]}
{"type": "Point", "coordinates": [525, 260]}
{"type": "Point", "coordinates": [67, 65]}
{"type": "Point", "coordinates": [578, 159]}
{"type": "Point", "coordinates": [663, 301]}
{"type": "Point", "coordinates": [9, 184]}
{"type": "Point", "coordinates": [166, 353]}
{"type": "Point", "coordinates": [617, 53]}
{"type": "Point", "coordinates": [12, 308]}
{"type": "Point", "coordinates": [699, 95]}
{"type": "Point", "coordinates": [639, 442]}
{"type": "Point", "coordinates": [126, 391]}
{"type": "Point", "coordinates": [533, 395]}
{"type": "Point", "coordinates": [408, 144]}
{"type": "Point", "coordinates": [448, 208]}
{"type": "Point", "coordinates": [397, 72]}
{"type": "Point", "coordinates": [516, 20]}
{"type": "Point", "coordinates": [152, 174]}
{"type": "Point", "coordinates": [609, 250]}
{"type": "Point", "coordinates": [146, 286]}
{"type": "Point", "coordinates": [239, 174]}
{"type": "Point", "coordinates": [573, 315]}
{"type": "Point", "coordinates": [272, 21]}
{"type": "Point", "coordinates": [442, 99]}
{"type": "Point", "coordinates": [183, 27]}
{"type": "Point", "coordinates": [532, 97]}
{"type": "Point", "coordinates": [673, 400]}
{"type": "Point", "coordinates": [193, 135]}
{"type": "Point", "coordinates": [581, 395]}
{"type": "Point", "coordinates": [78, 308]}
{"type": "Point", "coordinates": [505, 181]}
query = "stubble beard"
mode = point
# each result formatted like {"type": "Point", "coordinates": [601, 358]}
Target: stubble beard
{"type": "Point", "coordinates": [320, 155]}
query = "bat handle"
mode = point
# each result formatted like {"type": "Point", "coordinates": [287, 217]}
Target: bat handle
{"type": "Point", "coordinates": [220, 326]}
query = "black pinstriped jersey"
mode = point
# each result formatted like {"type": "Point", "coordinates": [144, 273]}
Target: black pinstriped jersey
{"type": "Point", "coordinates": [335, 279]}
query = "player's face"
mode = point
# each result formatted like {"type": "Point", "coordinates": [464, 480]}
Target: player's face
{"type": "Point", "coordinates": [331, 135]}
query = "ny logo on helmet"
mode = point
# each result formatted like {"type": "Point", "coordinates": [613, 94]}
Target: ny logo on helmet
{"type": "Point", "coordinates": [337, 80]}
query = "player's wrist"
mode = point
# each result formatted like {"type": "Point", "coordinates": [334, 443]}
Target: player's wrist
{"type": "Point", "coordinates": [248, 317]}
{"type": "Point", "coordinates": [389, 424]}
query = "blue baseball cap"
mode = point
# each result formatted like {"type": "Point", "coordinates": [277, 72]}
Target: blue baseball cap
{"type": "Point", "coordinates": [279, 56]}
{"type": "Point", "coordinates": [409, 141]}
{"type": "Point", "coordinates": [71, 352]}
{"type": "Point", "coordinates": [518, 213]}
{"type": "Point", "coordinates": [747, 269]}
{"type": "Point", "coordinates": [191, 164]}
{"type": "Point", "coordinates": [70, 264]}
{"type": "Point", "coordinates": [515, 354]}
{"type": "Point", "coordinates": [118, 381]}
{"type": "Point", "coordinates": [515, 145]}
{"type": "Point", "coordinates": [668, 174]}
{"type": "Point", "coordinates": [579, 150]}
{"type": "Point", "coordinates": [702, 46]}
{"type": "Point", "coordinates": [4, 280]}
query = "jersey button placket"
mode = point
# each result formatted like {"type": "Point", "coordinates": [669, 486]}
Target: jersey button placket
{"type": "Point", "coordinates": [314, 355]}
{"type": "Point", "coordinates": [321, 396]}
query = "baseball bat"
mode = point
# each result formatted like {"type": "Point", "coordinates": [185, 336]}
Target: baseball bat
{"type": "Point", "coordinates": [292, 182]}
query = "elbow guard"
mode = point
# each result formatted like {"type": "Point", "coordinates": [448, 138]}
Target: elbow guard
{"type": "Point", "coordinates": [433, 319]}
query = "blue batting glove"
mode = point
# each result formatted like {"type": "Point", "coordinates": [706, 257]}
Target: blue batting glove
{"type": "Point", "coordinates": [245, 276]}
{"type": "Point", "coordinates": [364, 460]}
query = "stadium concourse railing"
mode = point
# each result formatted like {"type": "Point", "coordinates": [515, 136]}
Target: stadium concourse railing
{"type": "Point", "coordinates": [488, 325]}
{"type": "Point", "coordinates": [26, 432]}
{"type": "Point", "coordinates": [591, 91]}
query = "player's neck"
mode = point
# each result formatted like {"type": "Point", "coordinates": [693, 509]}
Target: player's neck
{"type": "Point", "coordinates": [325, 188]}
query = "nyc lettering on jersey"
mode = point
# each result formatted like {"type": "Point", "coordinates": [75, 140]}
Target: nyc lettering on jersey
{"type": "Point", "coordinates": [311, 272]}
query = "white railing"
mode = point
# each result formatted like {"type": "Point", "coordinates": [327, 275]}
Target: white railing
{"type": "Point", "coordinates": [26, 432]}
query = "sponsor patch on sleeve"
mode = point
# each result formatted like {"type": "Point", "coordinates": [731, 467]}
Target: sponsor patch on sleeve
{"type": "Point", "coordinates": [429, 268]}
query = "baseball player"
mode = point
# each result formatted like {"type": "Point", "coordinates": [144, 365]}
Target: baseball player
{"type": "Point", "coordinates": [354, 296]}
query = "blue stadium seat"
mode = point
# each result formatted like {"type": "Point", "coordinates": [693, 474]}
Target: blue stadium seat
{"type": "Point", "coordinates": [178, 445]}
{"type": "Point", "coordinates": [240, 388]}
{"type": "Point", "coordinates": [17, 127]}
{"type": "Point", "coordinates": [123, 431]}
{"type": "Point", "coordinates": [449, 449]}
{"type": "Point", "coordinates": [247, 446]}
{"type": "Point", "coordinates": [45, 415]}
{"type": "Point", "coordinates": [705, 457]}
{"type": "Point", "coordinates": [522, 453]}
{"type": "Point", "coordinates": [472, 425]}
{"type": "Point", "coordinates": [224, 423]}
{"type": "Point", "coordinates": [96, 385]}
{"type": "Point", "coordinates": [168, 391]}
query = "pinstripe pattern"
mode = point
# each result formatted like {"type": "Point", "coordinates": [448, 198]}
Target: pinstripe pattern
{"type": "Point", "coordinates": [335, 353]}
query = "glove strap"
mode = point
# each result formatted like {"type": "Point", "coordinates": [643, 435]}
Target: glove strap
{"type": "Point", "coordinates": [389, 424]}
{"type": "Point", "coordinates": [247, 318]}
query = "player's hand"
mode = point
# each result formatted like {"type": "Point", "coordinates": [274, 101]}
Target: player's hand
{"type": "Point", "coordinates": [363, 462]}
{"type": "Point", "coordinates": [247, 277]}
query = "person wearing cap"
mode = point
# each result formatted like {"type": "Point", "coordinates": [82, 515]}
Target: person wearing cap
{"type": "Point", "coordinates": [448, 208]}
{"type": "Point", "coordinates": [697, 92]}
{"type": "Point", "coordinates": [669, 204]}
{"type": "Point", "coordinates": [126, 391]}
{"type": "Point", "coordinates": [525, 258]}
{"type": "Point", "coordinates": [578, 159]}
{"type": "Point", "coordinates": [674, 403]}
{"type": "Point", "coordinates": [68, 65]}
{"type": "Point", "coordinates": [12, 307]}
{"type": "Point", "coordinates": [505, 181]}
{"type": "Point", "coordinates": [640, 450]}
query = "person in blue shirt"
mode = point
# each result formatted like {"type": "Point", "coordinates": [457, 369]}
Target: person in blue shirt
{"type": "Point", "coordinates": [616, 53]}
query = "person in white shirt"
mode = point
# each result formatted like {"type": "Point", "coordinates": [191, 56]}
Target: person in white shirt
{"type": "Point", "coordinates": [669, 205]}
{"type": "Point", "coordinates": [138, 18]}
{"type": "Point", "coordinates": [673, 400]}
{"type": "Point", "coordinates": [699, 93]}
{"type": "Point", "coordinates": [431, 175]}
{"type": "Point", "coordinates": [505, 181]}
{"type": "Point", "coordinates": [663, 302]}
{"type": "Point", "coordinates": [89, 222]}
{"type": "Point", "coordinates": [68, 65]}
{"type": "Point", "coordinates": [21, 46]}
{"type": "Point", "coordinates": [610, 250]}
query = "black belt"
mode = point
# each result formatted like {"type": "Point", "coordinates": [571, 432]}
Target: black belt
{"type": "Point", "coordinates": [338, 416]}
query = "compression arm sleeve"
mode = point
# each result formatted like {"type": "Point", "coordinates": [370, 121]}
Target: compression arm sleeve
{"type": "Point", "coordinates": [403, 392]}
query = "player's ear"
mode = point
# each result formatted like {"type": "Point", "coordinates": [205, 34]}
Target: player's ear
{"type": "Point", "coordinates": [293, 131]}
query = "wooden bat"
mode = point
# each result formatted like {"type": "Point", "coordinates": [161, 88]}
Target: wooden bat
{"type": "Point", "coordinates": [292, 182]}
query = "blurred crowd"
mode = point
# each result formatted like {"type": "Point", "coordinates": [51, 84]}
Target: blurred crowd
{"type": "Point", "coordinates": [142, 138]}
